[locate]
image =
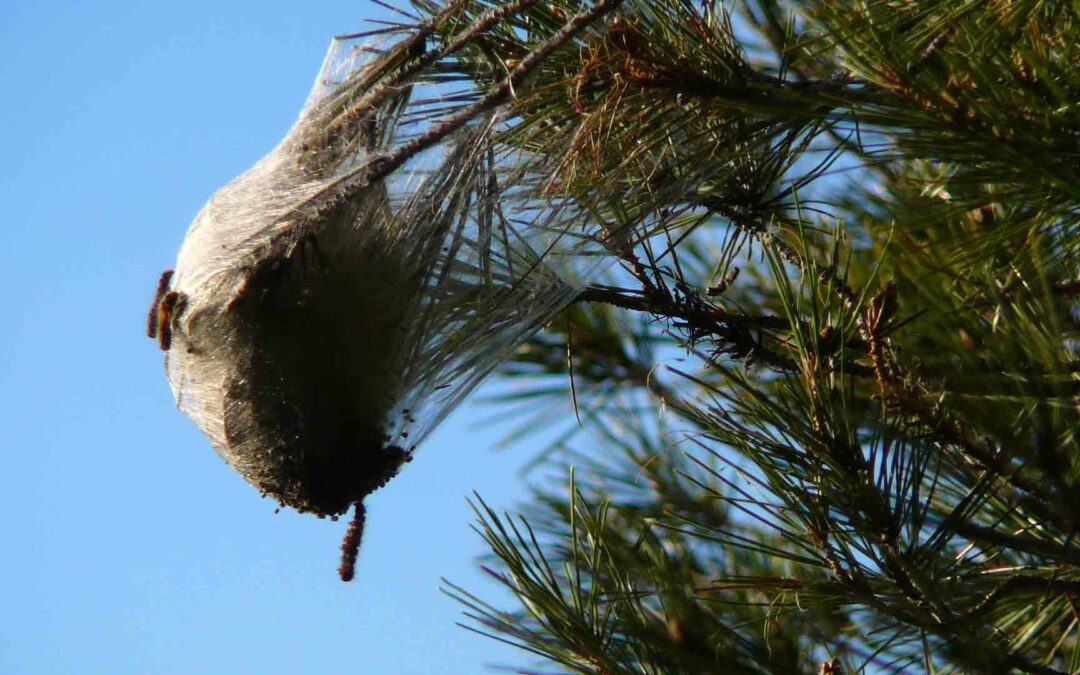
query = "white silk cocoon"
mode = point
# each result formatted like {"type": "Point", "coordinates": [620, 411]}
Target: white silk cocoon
{"type": "Point", "coordinates": [323, 324]}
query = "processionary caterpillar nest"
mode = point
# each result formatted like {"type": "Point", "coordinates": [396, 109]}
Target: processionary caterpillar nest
{"type": "Point", "coordinates": [325, 313]}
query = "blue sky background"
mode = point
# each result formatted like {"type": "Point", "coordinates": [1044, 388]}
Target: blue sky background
{"type": "Point", "coordinates": [130, 547]}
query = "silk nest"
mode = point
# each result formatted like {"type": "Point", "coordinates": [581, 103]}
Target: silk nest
{"type": "Point", "coordinates": [336, 301]}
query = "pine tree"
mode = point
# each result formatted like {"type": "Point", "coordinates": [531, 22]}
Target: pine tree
{"type": "Point", "coordinates": [827, 399]}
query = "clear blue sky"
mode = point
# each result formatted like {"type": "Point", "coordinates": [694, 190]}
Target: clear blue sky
{"type": "Point", "coordinates": [129, 546]}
